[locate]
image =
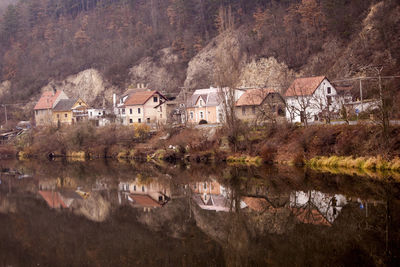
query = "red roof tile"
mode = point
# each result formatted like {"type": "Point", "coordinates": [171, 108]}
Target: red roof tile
{"type": "Point", "coordinates": [253, 97]}
{"type": "Point", "coordinates": [257, 204]}
{"type": "Point", "coordinates": [140, 98]}
{"type": "Point", "coordinates": [310, 216]}
{"type": "Point", "coordinates": [47, 100]}
{"type": "Point", "coordinates": [144, 201]}
{"type": "Point", "coordinates": [304, 86]}
{"type": "Point", "coordinates": [53, 199]}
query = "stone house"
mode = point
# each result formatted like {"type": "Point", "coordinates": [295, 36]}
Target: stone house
{"type": "Point", "coordinates": [44, 107]}
{"type": "Point", "coordinates": [261, 105]}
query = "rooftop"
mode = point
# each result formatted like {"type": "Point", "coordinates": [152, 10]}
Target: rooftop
{"type": "Point", "coordinates": [47, 100]}
{"type": "Point", "coordinates": [140, 98]}
{"type": "Point", "coordinates": [254, 97]}
{"type": "Point", "coordinates": [65, 105]}
{"type": "Point", "coordinates": [304, 86]}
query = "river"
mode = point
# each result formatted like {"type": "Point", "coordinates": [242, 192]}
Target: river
{"type": "Point", "coordinates": [111, 213]}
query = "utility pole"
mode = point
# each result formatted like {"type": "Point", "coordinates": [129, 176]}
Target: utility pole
{"type": "Point", "coordinates": [5, 112]}
{"type": "Point", "coordinates": [361, 96]}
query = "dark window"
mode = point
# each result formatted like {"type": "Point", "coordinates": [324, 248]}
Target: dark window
{"type": "Point", "coordinates": [328, 90]}
{"type": "Point", "coordinates": [142, 188]}
{"type": "Point", "coordinates": [148, 120]}
{"type": "Point", "coordinates": [160, 198]}
{"type": "Point", "coordinates": [130, 121]}
{"type": "Point", "coordinates": [139, 120]}
{"type": "Point", "coordinates": [243, 110]}
{"type": "Point", "coordinates": [316, 117]}
{"type": "Point", "coordinates": [130, 111]}
{"type": "Point", "coordinates": [155, 99]}
{"type": "Point", "coordinates": [134, 188]}
{"type": "Point", "coordinates": [205, 186]}
{"type": "Point", "coordinates": [280, 112]}
{"type": "Point", "coordinates": [66, 115]}
{"type": "Point", "coordinates": [138, 110]}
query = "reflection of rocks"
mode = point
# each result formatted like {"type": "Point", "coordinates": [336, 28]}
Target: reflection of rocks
{"type": "Point", "coordinates": [94, 208]}
{"type": "Point", "coordinates": [6, 206]}
{"type": "Point", "coordinates": [172, 218]}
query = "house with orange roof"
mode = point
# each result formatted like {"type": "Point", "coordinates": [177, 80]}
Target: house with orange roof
{"type": "Point", "coordinates": [261, 105]}
{"type": "Point", "coordinates": [44, 107]}
{"type": "Point", "coordinates": [144, 107]}
{"type": "Point", "coordinates": [311, 99]}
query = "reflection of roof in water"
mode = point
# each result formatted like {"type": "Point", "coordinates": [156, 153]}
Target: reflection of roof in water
{"type": "Point", "coordinates": [310, 216]}
{"type": "Point", "coordinates": [214, 202]}
{"type": "Point", "coordinates": [144, 201]}
{"type": "Point", "coordinates": [257, 204]}
{"type": "Point", "coordinates": [53, 199]}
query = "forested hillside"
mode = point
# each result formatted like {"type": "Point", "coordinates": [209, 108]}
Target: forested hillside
{"type": "Point", "coordinates": [43, 40]}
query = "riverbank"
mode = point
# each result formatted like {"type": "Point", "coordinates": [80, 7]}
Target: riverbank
{"type": "Point", "coordinates": [279, 144]}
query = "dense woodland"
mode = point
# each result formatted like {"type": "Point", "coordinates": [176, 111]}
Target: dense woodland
{"type": "Point", "coordinates": [45, 39]}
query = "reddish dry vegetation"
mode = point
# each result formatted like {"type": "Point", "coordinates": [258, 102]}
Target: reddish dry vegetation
{"type": "Point", "coordinates": [7, 151]}
{"type": "Point", "coordinates": [284, 143]}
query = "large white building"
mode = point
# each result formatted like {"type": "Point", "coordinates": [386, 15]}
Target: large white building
{"type": "Point", "coordinates": [311, 99]}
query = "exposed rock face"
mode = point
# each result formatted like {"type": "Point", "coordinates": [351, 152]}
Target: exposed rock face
{"type": "Point", "coordinates": [4, 88]}
{"type": "Point", "coordinates": [88, 84]}
{"type": "Point", "coordinates": [161, 72]}
{"type": "Point", "coordinates": [201, 69]}
{"type": "Point", "coordinates": [266, 73]}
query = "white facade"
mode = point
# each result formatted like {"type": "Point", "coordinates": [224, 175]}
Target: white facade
{"type": "Point", "coordinates": [324, 99]}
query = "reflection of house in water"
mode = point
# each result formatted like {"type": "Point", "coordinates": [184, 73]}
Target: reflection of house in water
{"type": "Point", "coordinates": [210, 195]}
{"type": "Point", "coordinates": [314, 207]}
{"type": "Point", "coordinates": [58, 200]}
{"type": "Point", "coordinates": [146, 195]}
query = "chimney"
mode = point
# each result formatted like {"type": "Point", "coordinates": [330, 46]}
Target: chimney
{"type": "Point", "coordinates": [114, 100]}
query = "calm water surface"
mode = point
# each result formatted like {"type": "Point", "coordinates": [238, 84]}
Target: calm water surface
{"type": "Point", "coordinates": [109, 213]}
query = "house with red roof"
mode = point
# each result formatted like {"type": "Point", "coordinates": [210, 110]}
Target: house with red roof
{"type": "Point", "coordinates": [311, 99]}
{"type": "Point", "coordinates": [261, 105]}
{"type": "Point", "coordinates": [44, 107]}
{"type": "Point", "coordinates": [143, 107]}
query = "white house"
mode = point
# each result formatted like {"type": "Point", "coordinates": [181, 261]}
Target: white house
{"type": "Point", "coordinates": [311, 99]}
{"type": "Point", "coordinates": [99, 116]}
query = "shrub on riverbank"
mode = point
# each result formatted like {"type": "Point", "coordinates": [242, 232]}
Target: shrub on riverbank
{"type": "Point", "coordinates": [368, 163]}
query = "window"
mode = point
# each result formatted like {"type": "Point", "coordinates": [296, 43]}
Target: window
{"type": "Point", "coordinates": [200, 102]}
{"type": "Point", "coordinates": [142, 188]}
{"type": "Point", "coordinates": [253, 109]}
{"type": "Point", "coordinates": [123, 111]}
{"type": "Point", "coordinates": [148, 120]}
{"type": "Point", "coordinates": [138, 110]}
{"type": "Point", "coordinates": [66, 115]}
{"type": "Point", "coordinates": [201, 115]}
{"type": "Point", "coordinates": [134, 188]}
{"type": "Point", "coordinates": [36, 112]}
{"type": "Point", "coordinates": [281, 112]}
{"type": "Point", "coordinates": [160, 108]}
{"type": "Point", "coordinates": [130, 121]}
{"type": "Point", "coordinates": [80, 104]}
{"type": "Point", "coordinates": [91, 114]}
{"type": "Point", "coordinates": [328, 90]}
{"type": "Point", "coordinates": [191, 115]}
{"type": "Point", "coordinates": [160, 198]}
{"type": "Point", "coordinates": [155, 99]}
{"type": "Point", "coordinates": [243, 111]}
{"type": "Point", "coordinates": [131, 111]}
{"type": "Point", "coordinates": [205, 186]}
{"type": "Point", "coordinates": [139, 120]}
{"type": "Point", "coordinates": [58, 116]}
{"type": "Point", "coordinates": [315, 117]}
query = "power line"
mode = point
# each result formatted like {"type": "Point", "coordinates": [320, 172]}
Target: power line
{"type": "Point", "coordinates": [365, 78]}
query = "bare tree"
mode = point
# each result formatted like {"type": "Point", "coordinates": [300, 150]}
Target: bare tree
{"type": "Point", "coordinates": [298, 103]}
{"type": "Point", "coordinates": [226, 77]}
